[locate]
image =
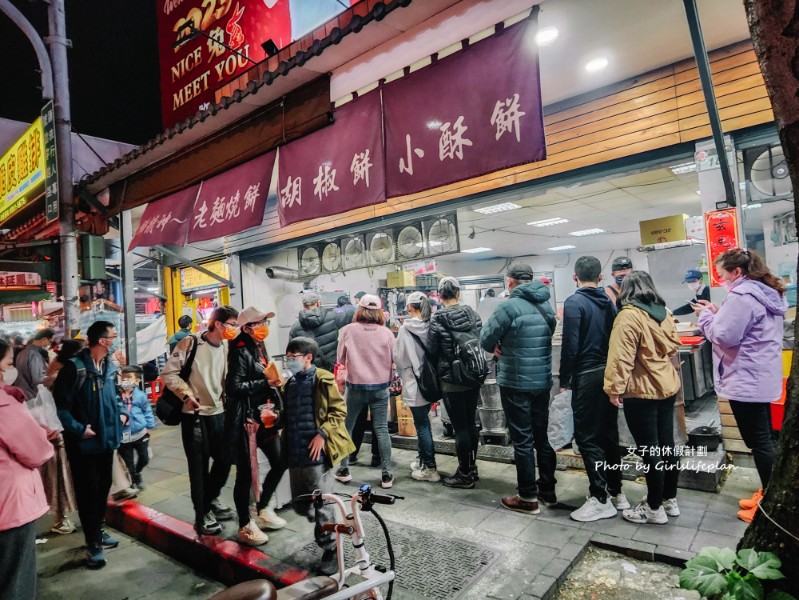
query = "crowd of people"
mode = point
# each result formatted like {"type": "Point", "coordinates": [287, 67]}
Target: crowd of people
{"type": "Point", "coordinates": [617, 352]}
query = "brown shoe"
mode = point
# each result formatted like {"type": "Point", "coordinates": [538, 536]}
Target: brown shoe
{"type": "Point", "coordinates": [519, 505]}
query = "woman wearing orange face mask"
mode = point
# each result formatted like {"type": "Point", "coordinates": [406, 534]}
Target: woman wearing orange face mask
{"type": "Point", "coordinates": [246, 388]}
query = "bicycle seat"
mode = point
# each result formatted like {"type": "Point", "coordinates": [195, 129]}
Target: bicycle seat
{"type": "Point", "coordinates": [313, 588]}
{"type": "Point", "coordinates": [258, 589]}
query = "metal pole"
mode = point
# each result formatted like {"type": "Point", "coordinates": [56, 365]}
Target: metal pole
{"type": "Point", "coordinates": [38, 46]}
{"type": "Point", "coordinates": [63, 126]}
{"type": "Point", "coordinates": [703, 65]}
{"type": "Point", "coordinates": [128, 284]}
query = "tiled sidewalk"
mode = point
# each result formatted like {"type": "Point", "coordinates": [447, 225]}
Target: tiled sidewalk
{"type": "Point", "coordinates": [536, 552]}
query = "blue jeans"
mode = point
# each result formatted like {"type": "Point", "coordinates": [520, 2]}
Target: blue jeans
{"type": "Point", "coordinates": [421, 420]}
{"type": "Point", "coordinates": [377, 401]}
{"type": "Point", "coordinates": [527, 415]}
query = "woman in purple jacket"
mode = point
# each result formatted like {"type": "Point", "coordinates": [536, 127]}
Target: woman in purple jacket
{"type": "Point", "coordinates": [746, 333]}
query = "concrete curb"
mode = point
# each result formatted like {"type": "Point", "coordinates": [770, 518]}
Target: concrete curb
{"type": "Point", "coordinates": [222, 559]}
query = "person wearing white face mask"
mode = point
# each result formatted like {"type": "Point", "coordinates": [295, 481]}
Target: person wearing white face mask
{"type": "Point", "coordinates": [696, 287]}
{"type": "Point", "coordinates": [135, 435]}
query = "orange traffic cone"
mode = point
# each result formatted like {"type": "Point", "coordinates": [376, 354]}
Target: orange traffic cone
{"type": "Point", "coordinates": [747, 515]}
{"type": "Point", "coordinates": [749, 503]}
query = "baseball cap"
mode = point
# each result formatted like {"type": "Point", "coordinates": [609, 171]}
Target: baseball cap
{"type": "Point", "coordinates": [360, 295]}
{"type": "Point", "coordinates": [415, 298]}
{"type": "Point", "coordinates": [691, 275]}
{"type": "Point", "coordinates": [520, 272]}
{"type": "Point", "coordinates": [545, 280]}
{"type": "Point", "coordinates": [370, 301]}
{"type": "Point", "coordinates": [253, 315]}
{"type": "Point", "coordinates": [452, 280]}
{"type": "Point", "coordinates": [621, 263]}
{"type": "Point", "coordinates": [310, 298]}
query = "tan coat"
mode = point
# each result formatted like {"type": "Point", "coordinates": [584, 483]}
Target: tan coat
{"type": "Point", "coordinates": [639, 358]}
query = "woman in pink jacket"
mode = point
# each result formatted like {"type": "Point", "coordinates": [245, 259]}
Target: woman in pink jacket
{"type": "Point", "coordinates": [23, 448]}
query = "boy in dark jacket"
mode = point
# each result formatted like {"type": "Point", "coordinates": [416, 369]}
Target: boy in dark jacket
{"type": "Point", "coordinates": [315, 438]}
{"type": "Point", "coordinates": [587, 322]}
{"type": "Point", "coordinates": [135, 435]}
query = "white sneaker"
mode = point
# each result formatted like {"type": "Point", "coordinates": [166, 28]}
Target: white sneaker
{"type": "Point", "coordinates": [426, 474]}
{"type": "Point", "coordinates": [416, 464]}
{"type": "Point", "coordinates": [643, 514]}
{"type": "Point", "coordinates": [671, 508]}
{"type": "Point", "coordinates": [250, 535]}
{"type": "Point", "coordinates": [620, 500]}
{"type": "Point", "coordinates": [269, 519]}
{"type": "Point", "coordinates": [594, 510]}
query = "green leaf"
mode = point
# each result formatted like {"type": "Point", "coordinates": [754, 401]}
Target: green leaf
{"type": "Point", "coordinates": [747, 588]}
{"type": "Point", "coordinates": [702, 574]}
{"type": "Point", "coordinates": [779, 595]}
{"type": "Point", "coordinates": [763, 565]}
{"type": "Point", "coordinates": [725, 557]}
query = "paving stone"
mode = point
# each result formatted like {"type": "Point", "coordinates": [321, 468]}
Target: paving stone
{"type": "Point", "coordinates": [667, 535]}
{"type": "Point", "coordinates": [616, 526]}
{"type": "Point", "coordinates": [635, 549]}
{"type": "Point", "coordinates": [721, 523]}
{"type": "Point", "coordinates": [558, 568]}
{"type": "Point", "coordinates": [673, 556]}
{"type": "Point", "coordinates": [689, 517]}
{"type": "Point", "coordinates": [703, 539]}
{"type": "Point", "coordinates": [544, 586]}
{"type": "Point", "coordinates": [547, 534]}
{"type": "Point", "coordinates": [173, 465]}
{"type": "Point", "coordinates": [505, 523]}
{"type": "Point", "coordinates": [573, 551]}
{"type": "Point", "coordinates": [459, 515]}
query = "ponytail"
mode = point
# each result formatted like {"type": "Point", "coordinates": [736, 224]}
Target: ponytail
{"type": "Point", "coordinates": [423, 306]}
{"type": "Point", "coordinates": [752, 267]}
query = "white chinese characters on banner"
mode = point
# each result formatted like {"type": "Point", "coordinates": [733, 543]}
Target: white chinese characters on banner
{"type": "Point", "coordinates": [199, 217]}
{"type": "Point", "coordinates": [360, 167]}
{"type": "Point", "coordinates": [325, 181]}
{"type": "Point", "coordinates": [407, 167]}
{"type": "Point", "coordinates": [250, 196]}
{"type": "Point", "coordinates": [158, 222]}
{"type": "Point", "coordinates": [506, 117]}
{"type": "Point", "coordinates": [292, 193]}
{"type": "Point", "coordinates": [226, 209]}
{"type": "Point", "coordinates": [218, 211]}
{"type": "Point", "coordinates": [451, 142]}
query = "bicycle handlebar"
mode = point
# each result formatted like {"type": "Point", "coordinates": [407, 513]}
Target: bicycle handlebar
{"type": "Point", "coordinates": [382, 498]}
{"type": "Point", "coordinates": [338, 528]}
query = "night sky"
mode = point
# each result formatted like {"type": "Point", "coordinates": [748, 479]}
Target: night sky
{"type": "Point", "coordinates": [113, 67]}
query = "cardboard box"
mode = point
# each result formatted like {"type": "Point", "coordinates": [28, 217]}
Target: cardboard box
{"type": "Point", "coordinates": [398, 279]}
{"type": "Point", "coordinates": [665, 229]}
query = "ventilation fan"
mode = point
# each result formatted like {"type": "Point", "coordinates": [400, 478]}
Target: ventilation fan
{"type": "Point", "coordinates": [767, 174]}
{"type": "Point", "coordinates": [410, 243]}
{"type": "Point", "coordinates": [331, 257]}
{"type": "Point", "coordinates": [354, 252]}
{"type": "Point", "coordinates": [309, 260]}
{"type": "Point", "coordinates": [441, 235]}
{"type": "Point", "coordinates": [381, 247]}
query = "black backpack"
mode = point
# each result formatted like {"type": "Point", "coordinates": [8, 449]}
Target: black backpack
{"type": "Point", "coordinates": [168, 407]}
{"type": "Point", "coordinates": [427, 380]}
{"type": "Point", "coordinates": [469, 365]}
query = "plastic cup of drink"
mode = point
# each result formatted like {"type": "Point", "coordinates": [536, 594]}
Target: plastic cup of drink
{"type": "Point", "coordinates": [268, 415]}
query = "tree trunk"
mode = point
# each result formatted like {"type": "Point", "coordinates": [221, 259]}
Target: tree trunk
{"type": "Point", "coordinates": [774, 25]}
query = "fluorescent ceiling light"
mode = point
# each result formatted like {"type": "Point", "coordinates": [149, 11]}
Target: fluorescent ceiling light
{"type": "Point", "coordinates": [567, 247]}
{"type": "Point", "coordinates": [548, 222]}
{"type": "Point", "coordinates": [546, 36]}
{"type": "Point", "coordinates": [596, 65]}
{"type": "Point", "coordinates": [751, 206]}
{"type": "Point", "coordinates": [152, 289]}
{"type": "Point", "coordinates": [430, 243]}
{"type": "Point", "coordinates": [698, 193]}
{"type": "Point", "coordinates": [683, 168]}
{"type": "Point", "coordinates": [497, 208]}
{"type": "Point", "coordinates": [583, 232]}
{"type": "Point", "coordinates": [476, 250]}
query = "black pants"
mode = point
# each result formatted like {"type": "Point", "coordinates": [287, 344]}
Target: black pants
{"type": "Point", "coordinates": [652, 424]}
{"type": "Point", "coordinates": [596, 430]}
{"type": "Point", "coordinates": [268, 442]}
{"type": "Point", "coordinates": [527, 414]}
{"type": "Point", "coordinates": [754, 423]}
{"type": "Point", "coordinates": [18, 562]}
{"type": "Point", "coordinates": [462, 410]}
{"type": "Point", "coordinates": [203, 440]}
{"type": "Point", "coordinates": [136, 457]}
{"type": "Point", "coordinates": [91, 478]}
{"type": "Point", "coordinates": [357, 435]}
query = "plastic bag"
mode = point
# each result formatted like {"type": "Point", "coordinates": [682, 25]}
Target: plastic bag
{"type": "Point", "coordinates": [43, 410]}
{"type": "Point", "coordinates": [561, 421]}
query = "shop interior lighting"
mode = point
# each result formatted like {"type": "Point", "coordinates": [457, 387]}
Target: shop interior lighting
{"type": "Point", "coordinates": [548, 222]}
{"type": "Point", "coordinates": [546, 36]}
{"type": "Point", "coordinates": [497, 208]}
{"type": "Point", "coordinates": [596, 65]}
{"type": "Point", "coordinates": [476, 250]}
{"type": "Point", "coordinates": [751, 206]}
{"type": "Point", "coordinates": [683, 168]}
{"type": "Point", "coordinates": [153, 289]}
{"type": "Point", "coordinates": [558, 248]}
{"type": "Point", "coordinates": [583, 232]}
{"type": "Point", "coordinates": [698, 193]}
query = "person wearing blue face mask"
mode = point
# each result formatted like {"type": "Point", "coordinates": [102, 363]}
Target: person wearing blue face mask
{"type": "Point", "coordinates": [697, 289]}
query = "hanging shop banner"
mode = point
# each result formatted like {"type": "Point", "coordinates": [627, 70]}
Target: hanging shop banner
{"type": "Point", "coordinates": [192, 279]}
{"type": "Point", "coordinates": [12, 280]}
{"type": "Point", "coordinates": [470, 113]}
{"type": "Point", "coordinates": [22, 171]}
{"type": "Point", "coordinates": [335, 169]}
{"type": "Point", "coordinates": [230, 38]}
{"type": "Point", "coordinates": [232, 201]}
{"type": "Point", "coordinates": [166, 221]}
{"type": "Point", "coordinates": [721, 227]}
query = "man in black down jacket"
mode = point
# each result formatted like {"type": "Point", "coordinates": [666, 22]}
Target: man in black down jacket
{"type": "Point", "coordinates": [321, 325]}
{"type": "Point", "coordinates": [587, 322]}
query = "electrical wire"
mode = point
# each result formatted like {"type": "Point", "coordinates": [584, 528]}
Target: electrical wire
{"type": "Point", "coordinates": [780, 527]}
{"type": "Point", "coordinates": [390, 548]}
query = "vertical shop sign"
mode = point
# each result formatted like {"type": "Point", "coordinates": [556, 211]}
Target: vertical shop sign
{"type": "Point", "coordinates": [22, 172]}
{"type": "Point", "coordinates": [50, 163]}
{"type": "Point", "coordinates": [335, 169]}
{"type": "Point", "coordinates": [166, 221]}
{"type": "Point", "coordinates": [232, 201]}
{"type": "Point", "coordinates": [470, 113]}
{"type": "Point", "coordinates": [721, 227]}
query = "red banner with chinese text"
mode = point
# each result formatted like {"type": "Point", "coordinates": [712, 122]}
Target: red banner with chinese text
{"type": "Point", "coordinates": [335, 169]}
{"type": "Point", "coordinates": [166, 221]}
{"type": "Point", "coordinates": [721, 227]}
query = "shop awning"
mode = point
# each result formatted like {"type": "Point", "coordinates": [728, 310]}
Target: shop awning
{"type": "Point", "coordinates": [166, 221]}
{"type": "Point", "coordinates": [16, 296]}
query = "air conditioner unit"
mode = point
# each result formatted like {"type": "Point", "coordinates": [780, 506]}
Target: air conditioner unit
{"type": "Point", "coordinates": [767, 176]}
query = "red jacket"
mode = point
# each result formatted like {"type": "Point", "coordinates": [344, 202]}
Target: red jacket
{"type": "Point", "coordinates": [23, 448]}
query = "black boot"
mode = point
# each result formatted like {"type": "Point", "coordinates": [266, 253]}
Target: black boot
{"type": "Point", "coordinates": [459, 480]}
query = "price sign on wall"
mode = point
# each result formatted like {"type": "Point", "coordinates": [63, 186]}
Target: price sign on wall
{"type": "Point", "coordinates": [721, 229]}
{"type": "Point", "coordinates": [191, 279]}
